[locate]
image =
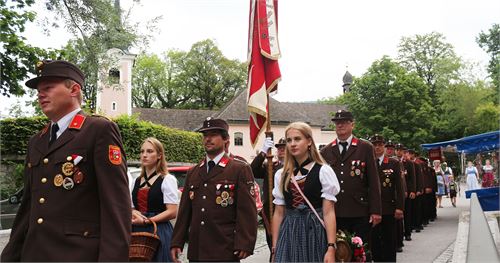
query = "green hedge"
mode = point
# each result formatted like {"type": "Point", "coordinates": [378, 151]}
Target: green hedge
{"type": "Point", "coordinates": [180, 146]}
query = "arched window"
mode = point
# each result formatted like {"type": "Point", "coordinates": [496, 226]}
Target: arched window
{"type": "Point", "coordinates": [113, 106]}
{"type": "Point", "coordinates": [238, 139]}
{"type": "Point", "coordinates": [114, 76]}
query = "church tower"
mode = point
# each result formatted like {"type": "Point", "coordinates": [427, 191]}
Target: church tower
{"type": "Point", "coordinates": [114, 92]}
{"type": "Point", "coordinates": [347, 79]}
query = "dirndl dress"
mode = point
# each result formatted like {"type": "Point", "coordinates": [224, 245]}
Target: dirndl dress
{"type": "Point", "coordinates": [150, 202]}
{"type": "Point", "coordinates": [302, 237]}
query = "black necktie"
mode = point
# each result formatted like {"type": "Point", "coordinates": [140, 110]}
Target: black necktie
{"type": "Point", "coordinates": [53, 133]}
{"type": "Point", "coordinates": [344, 148]}
{"type": "Point", "coordinates": [211, 165]}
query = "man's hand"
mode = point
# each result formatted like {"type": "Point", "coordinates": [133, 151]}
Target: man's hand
{"type": "Point", "coordinates": [174, 253]}
{"type": "Point", "coordinates": [375, 219]}
{"type": "Point", "coordinates": [428, 190]}
{"type": "Point", "coordinates": [419, 193]}
{"type": "Point", "coordinates": [241, 254]}
{"type": "Point", "coordinates": [398, 214]}
{"type": "Point", "coordinates": [268, 144]}
{"type": "Point", "coordinates": [412, 195]}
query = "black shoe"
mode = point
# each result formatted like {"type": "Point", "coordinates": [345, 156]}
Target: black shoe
{"type": "Point", "coordinates": [418, 230]}
{"type": "Point", "coordinates": [408, 238]}
{"type": "Point", "coordinates": [399, 249]}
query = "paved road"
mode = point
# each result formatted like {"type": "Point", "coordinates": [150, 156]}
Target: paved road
{"type": "Point", "coordinates": [433, 244]}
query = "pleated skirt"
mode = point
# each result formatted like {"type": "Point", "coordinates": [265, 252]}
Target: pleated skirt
{"type": "Point", "coordinates": [301, 238]}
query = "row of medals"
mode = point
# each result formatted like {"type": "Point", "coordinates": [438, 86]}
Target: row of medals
{"type": "Point", "coordinates": [72, 175]}
{"type": "Point", "coordinates": [225, 198]}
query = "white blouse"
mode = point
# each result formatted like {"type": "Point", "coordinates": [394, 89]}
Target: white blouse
{"type": "Point", "coordinates": [329, 185]}
{"type": "Point", "coordinates": [170, 190]}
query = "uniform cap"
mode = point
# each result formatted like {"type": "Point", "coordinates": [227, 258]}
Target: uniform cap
{"type": "Point", "coordinates": [56, 69]}
{"type": "Point", "coordinates": [400, 146]}
{"type": "Point", "coordinates": [389, 144]}
{"type": "Point", "coordinates": [214, 124]}
{"type": "Point", "coordinates": [377, 138]}
{"type": "Point", "coordinates": [343, 115]}
{"type": "Point", "coordinates": [281, 142]}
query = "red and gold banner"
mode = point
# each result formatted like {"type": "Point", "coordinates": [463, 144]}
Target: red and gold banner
{"type": "Point", "coordinates": [263, 69]}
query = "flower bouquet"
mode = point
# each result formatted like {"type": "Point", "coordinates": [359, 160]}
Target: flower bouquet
{"type": "Point", "coordinates": [349, 248]}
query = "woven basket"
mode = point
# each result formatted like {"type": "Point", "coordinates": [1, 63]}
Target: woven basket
{"type": "Point", "coordinates": [143, 245]}
{"type": "Point", "coordinates": [343, 252]}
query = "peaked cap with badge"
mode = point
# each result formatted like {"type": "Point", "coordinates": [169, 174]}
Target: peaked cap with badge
{"type": "Point", "coordinates": [343, 115]}
{"type": "Point", "coordinates": [56, 69]}
{"type": "Point", "coordinates": [211, 124]}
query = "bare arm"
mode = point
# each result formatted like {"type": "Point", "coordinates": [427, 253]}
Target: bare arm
{"type": "Point", "coordinates": [279, 214]}
{"type": "Point", "coordinates": [331, 228]}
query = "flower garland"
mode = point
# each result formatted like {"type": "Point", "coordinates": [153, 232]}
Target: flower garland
{"type": "Point", "coordinates": [356, 246]}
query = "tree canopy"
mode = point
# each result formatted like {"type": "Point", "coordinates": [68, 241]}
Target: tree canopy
{"type": "Point", "coordinates": [490, 42]}
{"type": "Point", "coordinates": [18, 57]}
{"type": "Point", "coordinates": [391, 101]}
{"type": "Point", "coordinates": [202, 78]}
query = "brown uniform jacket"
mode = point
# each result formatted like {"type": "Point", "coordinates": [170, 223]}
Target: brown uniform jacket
{"type": "Point", "coordinates": [357, 174]}
{"type": "Point", "coordinates": [91, 221]}
{"type": "Point", "coordinates": [216, 225]}
{"type": "Point", "coordinates": [419, 177]}
{"type": "Point", "coordinates": [391, 186]}
{"type": "Point", "coordinates": [409, 172]}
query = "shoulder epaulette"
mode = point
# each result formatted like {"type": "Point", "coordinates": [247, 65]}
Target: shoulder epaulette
{"type": "Point", "coordinates": [100, 116]}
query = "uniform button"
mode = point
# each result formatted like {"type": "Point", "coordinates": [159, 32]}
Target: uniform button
{"type": "Point", "coordinates": [46, 161]}
{"type": "Point", "coordinates": [341, 172]}
{"type": "Point", "coordinates": [40, 220]}
{"type": "Point", "coordinates": [342, 191]}
{"type": "Point", "coordinates": [341, 181]}
{"type": "Point", "coordinates": [44, 180]}
{"type": "Point", "coordinates": [42, 200]}
{"type": "Point", "coordinates": [204, 197]}
{"type": "Point", "coordinates": [202, 223]}
{"type": "Point", "coordinates": [86, 233]}
{"type": "Point", "coordinates": [341, 164]}
{"type": "Point", "coordinates": [203, 210]}
{"type": "Point", "coordinates": [361, 198]}
{"type": "Point", "coordinates": [205, 185]}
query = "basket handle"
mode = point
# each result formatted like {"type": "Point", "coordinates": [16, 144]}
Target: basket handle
{"type": "Point", "coordinates": [154, 226]}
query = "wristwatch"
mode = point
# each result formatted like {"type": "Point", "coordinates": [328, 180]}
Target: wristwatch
{"type": "Point", "coordinates": [334, 245]}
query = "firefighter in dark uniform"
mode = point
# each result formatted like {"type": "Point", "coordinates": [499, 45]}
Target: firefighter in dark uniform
{"type": "Point", "coordinates": [384, 234]}
{"type": "Point", "coordinates": [358, 206]}
{"type": "Point", "coordinates": [259, 169]}
{"type": "Point", "coordinates": [428, 194]}
{"type": "Point", "coordinates": [390, 151]}
{"type": "Point", "coordinates": [409, 174]}
{"type": "Point", "coordinates": [419, 177]}
{"type": "Point", "coordinates": [217, 211]}
{"type": "Point", "coordinates": [76, 200]}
